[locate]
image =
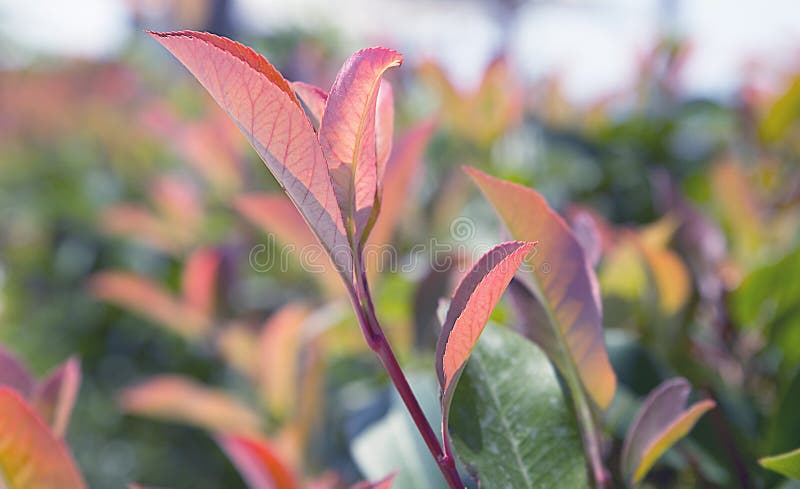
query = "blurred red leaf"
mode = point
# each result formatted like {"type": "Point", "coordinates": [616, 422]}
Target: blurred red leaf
{"type": "Point", "coordinates": [258, 462]}
{"type": "Point", "coordinates": [55, 396]}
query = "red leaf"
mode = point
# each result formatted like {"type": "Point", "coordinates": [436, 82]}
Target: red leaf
{"type": "Point", "coordinates": [258, 462]}
{"type": "Point", "coordinates": [348, 134]}
{"type": "Point", "coordinates": [31, 457]}
{"type": "Point", "coordinates": [56, 395]}
{"type": "Point", "coordinates": [472, 304]}
{"type": "Point", "coordinates": [263, 105]}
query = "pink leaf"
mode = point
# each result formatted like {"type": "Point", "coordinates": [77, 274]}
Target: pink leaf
{"type": "Point", "coordinates": [472, 304]}
{"type": "Point", "coordinates": [314, 98]}
{"type": "Point", "coordinates": [31, 457]}
{"type": "Point", "coordinates": [56, 395]}
{"type": "Point", "coordinates": [181, 399]}
{"type": "Point", "coordinates": [199, 281]}
{"type": "Point", "coordinates": [348, 134]}
{"type": "Point", "coordinates": [563, 283]}
{"type": "Point", "coordinates": [150, 300]}
{"type": "Point", "coordinates": [384, 128]}
{"type": "Point", "coordinates": [15, 375]}
{"type": "Point", "coordinates": [263, 105]}
{"type": "Point", "coordinates": [662, 420]}
{"type": "Point", "coordinates": [258, 462]}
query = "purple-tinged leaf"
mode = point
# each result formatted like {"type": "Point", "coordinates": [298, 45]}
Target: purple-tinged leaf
{"type": "Point", "coordinates": [662, 420]}
{"type": "Point", "coordinates": [15, 375]}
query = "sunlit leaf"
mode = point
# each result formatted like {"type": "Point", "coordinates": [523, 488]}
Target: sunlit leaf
{"type": "Point", "coordinates": [563, 283]}
{"type": "Point", "coordinates": [199, 281]}
{"type": "Point", "coordinates": [258, 462]}
{"type": "Point", "coordinates": [510, 421]}
{"type": "Point", "coordinates": [31, 457]}
{"type": "Point", "coordinates": [782, 114]}
{"type": "Point", "coordinates": [263, 105]}
{"type": "Point", "coordinates": [182, 400]}
{"type": "Point", "coordinates": [787, 464]}
{"type": "Point", "coordinates": [662, 420]}
{"type": "Point", "coordinates": [314, 98]}
{"type": "Point", "coordinates": [348, 135]}
{"type": "Point", "coordinates": [55, 396]}
{"type": "Point", "coordinates": [470, 308]}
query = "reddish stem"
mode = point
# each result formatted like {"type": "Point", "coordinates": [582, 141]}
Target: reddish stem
{"type": "Point", "coordinates": [373, 333]}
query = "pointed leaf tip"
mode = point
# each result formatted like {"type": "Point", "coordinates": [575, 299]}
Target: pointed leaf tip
{"type": "Point", "coordinates": [353, 134]}
{"type": "Point", "coordinates": [662, 420]}
{"type": "Point", "coordinates": [566, 287]}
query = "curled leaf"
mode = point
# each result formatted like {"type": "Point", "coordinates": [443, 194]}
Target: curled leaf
{"type": "Point", "coordinates": [662, 420]}
{"type": "Point", "coordinates": [31, 457]}
{"type": "Point", "coordinates": [349, 135]}
{"type": "Point", "coordinates": [314, 99]}
{"type": "Point", "coordinates": [263, 105]}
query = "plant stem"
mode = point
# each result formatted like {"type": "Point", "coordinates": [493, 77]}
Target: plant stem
{"type": "Point", "coordinates": [376, 340]}
{"type": "Point", "coordinates": [590, 436]}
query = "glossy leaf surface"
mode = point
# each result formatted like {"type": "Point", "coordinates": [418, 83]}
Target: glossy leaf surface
{"type": "Point", "coordinates": [510, 422]}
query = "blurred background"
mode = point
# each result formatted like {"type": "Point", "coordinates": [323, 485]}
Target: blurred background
{"type": "Point", "coordinates": [668, 130]}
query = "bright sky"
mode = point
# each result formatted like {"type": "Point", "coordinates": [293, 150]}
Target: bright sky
{"type": "Point", "coordinates": [593, 44]}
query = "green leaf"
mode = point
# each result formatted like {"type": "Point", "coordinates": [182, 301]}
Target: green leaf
{"type": "Point", "coordinates": [787, 464]}
{"type": "Point", "coordinates": [510, 422]}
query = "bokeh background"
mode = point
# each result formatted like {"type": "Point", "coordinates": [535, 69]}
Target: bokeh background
{"type": "Point", "coordinates": [665, 122]}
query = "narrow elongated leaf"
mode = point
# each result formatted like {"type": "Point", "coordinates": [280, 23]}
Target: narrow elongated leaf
{"type": "Point", "coordinates": [787, 464]}
{"type": "Point", "coordinates": [562, 281]}
{"type": "Point", "coordinates": [199, 281]}
{"type": "Point", "coordinates": [182, 400]}
{"type": "Point", "coordinates": [662, 420]}
{"type": "Point", "coordinates": [348, 134]}
{"type": "Point", "coordinates": [470, 308]}
{"type": "Point", "coordinates": [314, 98]}
{"type": "Point", "coordinates": [14, 374]}
{"type": "Point", "coordinates": [263, 105]}
{"type": "Point", "coordinates": [55, 397]}
{"type": "Point", "coordinates": [31, 457]}
{"type": "Point", "coordinates": [258, 462]}
{"type": "Point", "coordinates": [510, 421]}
